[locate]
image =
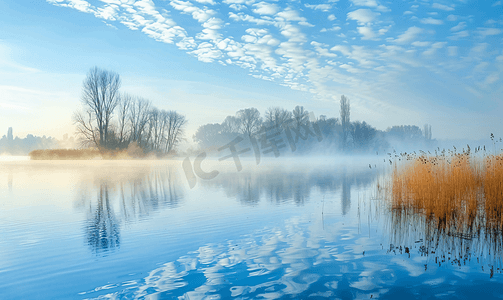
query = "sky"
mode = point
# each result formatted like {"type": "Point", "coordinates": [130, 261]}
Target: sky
{"type": "Point", "coordinates": [399, 62]}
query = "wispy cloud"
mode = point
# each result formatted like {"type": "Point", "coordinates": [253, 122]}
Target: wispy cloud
{"type": "Point", "coordinates": [483, 32]}
{"type": "Point", "coordinates": [432, 21]}
{"type": "Point", "coordinates": [363, 15]}
{"type": "Point", "coordinates": [458, 27]}
{"type": "Point", "coordinates": [409, 35]}
{"type": "Point", "coordinates": [322, 7]}
{"type": "Point", "coordinates": [442, 7]}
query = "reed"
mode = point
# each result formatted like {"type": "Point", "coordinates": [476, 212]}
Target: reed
{"type": "Point", "coordinates": [65, 154]}
{"type": "Point", "coordinates": [493, 192]}
{"type": "Point", "coordinates": [460, 193]}
{"type": "Point", "coordinates": [452, 202]}
{"type": "Point", "coordinates": [87, 154]}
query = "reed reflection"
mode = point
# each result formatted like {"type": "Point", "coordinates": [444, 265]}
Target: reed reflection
{"type": "Point", "coordinates": [113, 200]}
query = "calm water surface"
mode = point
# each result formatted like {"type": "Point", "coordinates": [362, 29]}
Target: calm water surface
{"type": "Point", "coordinates": [283, 229]}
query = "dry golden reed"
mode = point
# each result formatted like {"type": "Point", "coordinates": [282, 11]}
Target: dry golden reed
{"type": "Point", "coordinates": [449, 205]}
{"type": "Point", "coordinates": [454, 189]}
{"type": "Point", "coordinates": [493, 191]}
{"type": "Point", "coordinates": [65, 154]}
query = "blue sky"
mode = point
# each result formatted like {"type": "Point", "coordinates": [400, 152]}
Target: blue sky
{"type": "Point", "coordinates": [399, 62]}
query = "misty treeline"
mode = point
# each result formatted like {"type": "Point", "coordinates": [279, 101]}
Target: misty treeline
{"type": "Point", "coordinates": [112, 120]}
{"type": "Point", "coordinates": [10, 145]}
{"type": "Point", "coordinates": [338, 134]}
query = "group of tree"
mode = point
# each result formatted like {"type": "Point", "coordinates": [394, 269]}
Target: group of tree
{"type": "Point", "coordinates": [111, 120]}
{"type": "Point", "coordinates": [22, 146]}
{"type": "Point", "coordinates": [339, 134]}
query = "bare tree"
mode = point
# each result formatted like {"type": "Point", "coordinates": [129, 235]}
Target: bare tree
{"type": "Point", "coordinates": [139, 116]}
{"type": "Point", "coordinates": [100, 97]}
{"type": "Point", "coordinates": [276, 116]}
{"type": "Point", "coordinates": [232, 124]}
{"type": "Point", "coordinates": [173, 129]}
{"type": "Point", "coordinates": [155, 128]}
{"type": "Point", "coordinates": [87, 133]}
{"type": "Point", "coordinates": [250, 120]}
{"type": "Point", "coordinates": [123, 133]}
{"type": "Point", "coordinates": [345, 122]}
{"type": "Point", "coordinates": [300, 116]}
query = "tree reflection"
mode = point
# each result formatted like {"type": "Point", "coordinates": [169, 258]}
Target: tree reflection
{"type": "Point", "coordinates": [346, 194]}
{"type": "Point", "coordinates": [142, 195]}
{"type": "Point", "coordinates": [103, 230]}
{"type": "Point", "coordinates": [280, 186]}
{"type": "Point", "coordinates": [113, 200]}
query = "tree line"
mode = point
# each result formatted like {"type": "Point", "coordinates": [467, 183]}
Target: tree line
{"type": "Point", "coordinates": [111, 120]}
{"type": "Point", "coordinates": [339, 134]}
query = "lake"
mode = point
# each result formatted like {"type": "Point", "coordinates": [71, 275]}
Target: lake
{"type": "Point", "coordinates": [286, 228]}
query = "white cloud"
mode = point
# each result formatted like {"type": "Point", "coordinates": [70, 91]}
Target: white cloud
{"type": "Point", "coordinates": [237, 7]}
{"type": "Point", "coordinates": [458, 27]}
{"type": "Point", "coordinates": [349, 68]}
{"type": "Point", "coordinates": [420, 44]}
{"type": "Point", "coordinates": [367, 33]}
{"type": "Point", "coordinates": [322, 7]}
{"type": "Point", "coordinates": [210, 2]}
{"type": "Point", "coordinates": [342, 49]}
{"type": "Point", "coordinates": [434, 48]}
{"type": "Point", "coordinates": [363, 15]}
{"type": "Point", "coordinates": [186, 7]}
{"type": "Point", "coordinates": [264, 8]}
{"type": "Point", "coordinates": [432, 21]}
{"type": "Point", "coordinates": [80, 5]}
{"type": "Point", "coordinates": [481, 66]}
{"type": "Point", "coordinates": [290, 15]}
{"type": "Point", "coordinates": [108, 12]}
{"type": "Point", "coordinates": [452, 50]}
{"type": "Point", "coordinates": [491, 78]}
{"type": "Point", "coordinates": [306, 24]}
{"type": "Point", "coordinates": [322, 50]}
{"type": "Point", "coordinates": [210, 31]}
{"type": "Point", "coordinates": [408, 12]}
{"type": "Point", "coordinates": [442, 7]}
{"type": "Point", "coordinates": [480, 47]}
{"type": "Point", "coordinates": [409, 35]}
{"type": "Point", "coordinates": [488, 31]}
{"type": "Point", "coordinates": [293, 34]}
{"type": "Point", "coordinates": [335, 28]}
{"type": "Point", "coordinates": [206, 52]}
{"type": "Point", "coordinates": [247, 2]}
{"type": "Point", "coordinates": [370, 3]}
{"type": "Point", "coordinates": [331, 17]}
{"type": "Point", "coordinates": [458, 35]}
{"type": "Point", "coordinates": [452, 18]}
{"type": "Point", "coordinates": [244, 17]}
{"type": "Point", "coordinates": [382, 31]}
{"type": "Point", "coordinates": [496, 3]}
